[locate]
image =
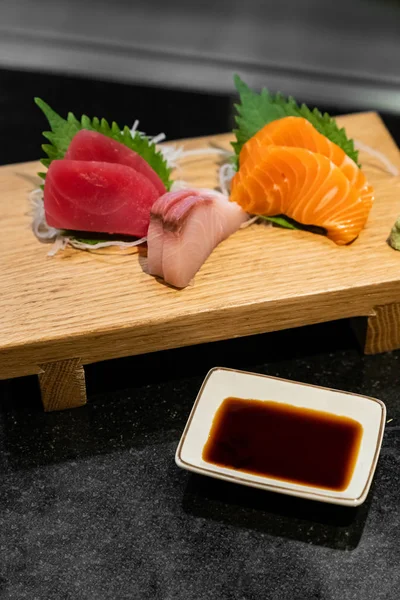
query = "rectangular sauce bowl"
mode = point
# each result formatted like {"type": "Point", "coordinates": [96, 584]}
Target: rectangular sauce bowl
{"type": "Point", "coordinates": [221, 383]}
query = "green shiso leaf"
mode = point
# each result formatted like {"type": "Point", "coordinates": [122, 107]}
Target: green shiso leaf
{"type": "Point", "coordinates": [256, 110]}
{"type": "Point", "coordinates": [63, 130]}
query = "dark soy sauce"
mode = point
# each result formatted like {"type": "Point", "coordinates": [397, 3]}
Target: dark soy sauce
{"type": "Point", "coordinates": [285, 442]}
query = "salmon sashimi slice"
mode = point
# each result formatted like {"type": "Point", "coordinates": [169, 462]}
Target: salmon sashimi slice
{"type": "Point", "coordinates": [298, 132]}
{"type": "Point", "coordinates": [304, 185]}
{"type": "Point", "coordinates": [185, 227]}
{"type": "Point", "coordinates": [98, 196]}
{"type": "Point", "coordinates": [94, 146]}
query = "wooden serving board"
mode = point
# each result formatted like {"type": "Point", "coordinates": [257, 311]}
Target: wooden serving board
{"type": "Point", "coordinates": [59, 313]}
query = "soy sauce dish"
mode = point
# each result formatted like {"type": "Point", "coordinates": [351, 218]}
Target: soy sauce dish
{"type": "Point", "coordinates": [283, 436]}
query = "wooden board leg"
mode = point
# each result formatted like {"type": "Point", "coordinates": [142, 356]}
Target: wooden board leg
{"type": "Point", "coordinates": [381, 331]}
{"type": "Point", "coordinates": [62, 385]}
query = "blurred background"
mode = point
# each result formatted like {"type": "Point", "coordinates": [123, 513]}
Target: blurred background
{"type": "Point", "coordinates": [170, 63]}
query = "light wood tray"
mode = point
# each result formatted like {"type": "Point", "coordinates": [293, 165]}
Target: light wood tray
{"type": "Point", "coordinates": [59, 313]}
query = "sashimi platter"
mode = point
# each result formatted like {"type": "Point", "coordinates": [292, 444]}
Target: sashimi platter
{"type": "Point", "coordinates": [122, 243]}
{"type": "Point", "coordinates": [291, 166]}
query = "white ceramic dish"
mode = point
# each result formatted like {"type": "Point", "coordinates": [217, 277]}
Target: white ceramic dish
{"type": "Point", "coordinates": [221, 383]}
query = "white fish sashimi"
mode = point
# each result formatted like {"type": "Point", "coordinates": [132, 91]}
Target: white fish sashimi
{"type": "Point", "coordinates": [155, 240]}
{"type": "Point", "coordinates": [185, 227]}
{"type": "Point", "coordinates": [156, 230]}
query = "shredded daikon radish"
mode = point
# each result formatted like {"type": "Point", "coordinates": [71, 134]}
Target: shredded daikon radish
{"type": "Point", "coordinates": [390, 167]}
{"type": "Point", "coordinates": [60, 243]}
{"type": "Point", "coordinates": [205, 151]}
{"type": "Point", "coordinates": [251, 221]}
{"type": "Point", "coordinates": [179, 184]}
{"type": "Point", "coordinates": [226, 173]}
{"type": "Point", "coordinates": [158, 138]}
{"type": "Point", "coordinates": [171, 154]}
{"type": "Point", "coordinates": [84, 246]}
{"type": "Point", "coordinates": [40, 228]}
{"type": "Point", "coordinates": [153, 140]}
{"type": "Point", "coordinates": [134, 129]}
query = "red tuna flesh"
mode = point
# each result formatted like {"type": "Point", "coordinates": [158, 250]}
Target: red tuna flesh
{"type": "Point", "coordinates": [98, 196]}
{"type": "Point", "coordinates": [91, 145]}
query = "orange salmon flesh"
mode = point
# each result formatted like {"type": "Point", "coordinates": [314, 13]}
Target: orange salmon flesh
{"type": "Point", "coordinates": [289, 168]}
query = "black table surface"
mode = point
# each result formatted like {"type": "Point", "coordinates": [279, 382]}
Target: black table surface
{"type": "Point", "coordinates": [93, 507]}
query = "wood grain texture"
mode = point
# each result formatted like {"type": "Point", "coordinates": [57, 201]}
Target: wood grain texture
{"type": "Point", "coordinates": [383, 329]}
{"type": "Point", "coordinates": [101, 306]}
{"type": "Point", "coordinates": [62, 384]}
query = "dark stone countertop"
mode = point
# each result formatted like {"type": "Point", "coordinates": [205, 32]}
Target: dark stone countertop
{"type": "Point", "coordinates": [93, 506]}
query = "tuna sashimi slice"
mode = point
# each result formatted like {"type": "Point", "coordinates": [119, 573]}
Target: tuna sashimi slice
{"type": "Point", "coordinates": [98, 196]}
{"type": "Point", "coordinates": [91, 145]}
{"type": "Point", "coordinates": [185, 227]}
